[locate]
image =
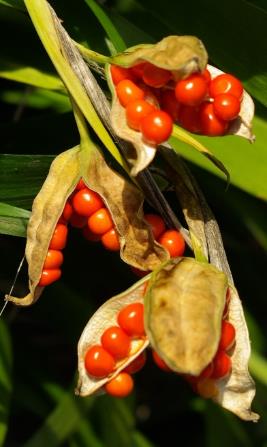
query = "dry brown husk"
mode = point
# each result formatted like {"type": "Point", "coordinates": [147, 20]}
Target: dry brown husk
{"type": "Point", "coordinates": [121, 197]}
{"type": "Point", "coordinates": [46, 210]}
{"type": "Point", "coordinates": [237, 391]}
{"type": "Point", "coordinates": [184, 309]}
{"type": "Point", "coordinates": [181, 55]}
{"type": "Point", "coordinates": [103, 318]}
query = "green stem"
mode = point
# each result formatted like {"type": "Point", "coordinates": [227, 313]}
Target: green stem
{"type": "Point", "coordinates": [65, 58]}
{"type": "Point", "coordinates": [90, 55]}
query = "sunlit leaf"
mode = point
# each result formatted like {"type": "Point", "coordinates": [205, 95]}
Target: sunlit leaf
{"type": "Point", "coordinates": [13, 220]}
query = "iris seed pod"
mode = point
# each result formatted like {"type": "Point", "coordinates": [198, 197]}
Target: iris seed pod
{"type": "Point", "coordinates": [122, 198]}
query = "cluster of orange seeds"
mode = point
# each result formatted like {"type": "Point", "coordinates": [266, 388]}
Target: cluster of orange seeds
{"type": "Point", "coordinates": [86, 210]}
{"type": "Point", "coordinates": [103, 359]}
{"type": "Point", "coordinates": [153, 101]}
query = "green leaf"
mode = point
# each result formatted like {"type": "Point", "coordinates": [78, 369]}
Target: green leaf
{"type": "Point", "coordinates": [107, 24]}
{"type": "Point", "coordinates": [243, 56]}
{"type": "Point", "coordinates": [63, 421]}
{"type": "Point", "coordinates": [115, 413]}
{"type": "Point", "coordinates": [130, 33]}
{"type": "Point", "coordinates": [85, 436]}
{"type": "Point", "coordinates": [247, 163]}
{"type": "Point", "coordinates": [182, 135]}
{"type": "Point", "coordinates": [17, 4]}
{"type": "Point", "coordinates": [18, 72]}
{"type": "Point", "coordinates": [139, 440]}
{"type": "Point", "coordinates": [45, 27]}
{"type": "Point", "coordinates": [21, 177]}
{"type": "Point", "coordinates": [258, 367]}
{"type": "Point", "coordinates": [5, 379]}
{"type": "Point", "coordinates": [18, 63]}
{"type": "Point", "coordinates": [38, 99]}
{"type": "Point", "coordinates": [13, 220]}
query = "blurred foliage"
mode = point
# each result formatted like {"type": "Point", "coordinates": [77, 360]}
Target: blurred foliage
{"type": "Point", "coordinates": [38, 345]}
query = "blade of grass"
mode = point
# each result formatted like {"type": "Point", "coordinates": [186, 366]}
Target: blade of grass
{"type": "Point", "coordinates": [185, 137]}
{"type": "Point", "coordinates": [21, 177]}
{"type": "Point", "coordinates": [85, 436]}
{"type": "Point", "coordinates": [61, 423]}
{"type": "Point", "coordinates": [13, 220]}
{"type": "Point", "coordinates": [37, 99]}
{"type": "Point", "coordinates": [115, 413]}
{"type": "Point", "coordinates": [107, 25]}
{"type": "Point", "coordinates": [17, 4]}
{"type": "Point", "coordinates": [14, 71]}
{"type": "Point", "coordinates": [45, 27]}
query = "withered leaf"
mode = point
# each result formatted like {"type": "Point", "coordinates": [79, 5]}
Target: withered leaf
{"type": "Point", "coordinates": [104, 317]}
{"type": "Point", "coordinates": [46, 210]}
{"type": "Point", "coordinates": [124, 201]}
{"type": "Point", "coordinates": [184, 308]}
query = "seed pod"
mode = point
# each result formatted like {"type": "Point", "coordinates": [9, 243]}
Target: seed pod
{"type": "Point", "coordinates": [103, 318]}
{"type": "Point", "coordinates": [237, 391]}
{"type": "Point", "coordinates": [123, 200]}
{"type": "Point", "coordinates": [181, 55]}
{"type": "Point", "coordinates": [125, 204]}
{"type": "Point", "coordinates": [184, 308]}
{"type": "Point", "coordinates": [242, 125]}
{"type": "Point", "coordinates": [183, 313]}
{"type": "Point", "coordinates": [46, 210]}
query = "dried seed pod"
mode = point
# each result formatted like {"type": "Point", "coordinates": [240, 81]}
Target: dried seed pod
{"type": "Point", "coordinates": [103, 318]}
{"type": "Point", "coordinates": [237, 391]}
{"type": "Point", "coordinates": [123, 200]}
{"type": "Point", "coordinates": [184, 308]}
{"type": "Point", "coordinates": [181, 55]}
{"type": "Point", "coordinates": [242, 125]}
{"type": "Point", "coordinates": [125, 203]}
{"type": "Point", "coordinates": [183, 313]}
{"type": "Point", "coordinates": [46, 210]}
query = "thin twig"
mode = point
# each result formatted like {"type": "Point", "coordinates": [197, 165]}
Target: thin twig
{"type": "Point", "coordinates": [12, 286]}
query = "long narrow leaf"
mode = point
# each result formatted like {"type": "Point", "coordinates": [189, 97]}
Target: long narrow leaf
{"type": "Point", "coordinates": [44, 24]}
{"type": "Point", "coordinates": [62, 422]}
{"type": "Point", "coordinates": [16, 4]}
{"type": "Point", "coordinates": [21, 177]}
{"type": "Point", "coordinates": [107, 24]}
{"type": "Point", "coordinates": [15, 71]}
{"type": "Point", "coordinates": [13, 220]}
